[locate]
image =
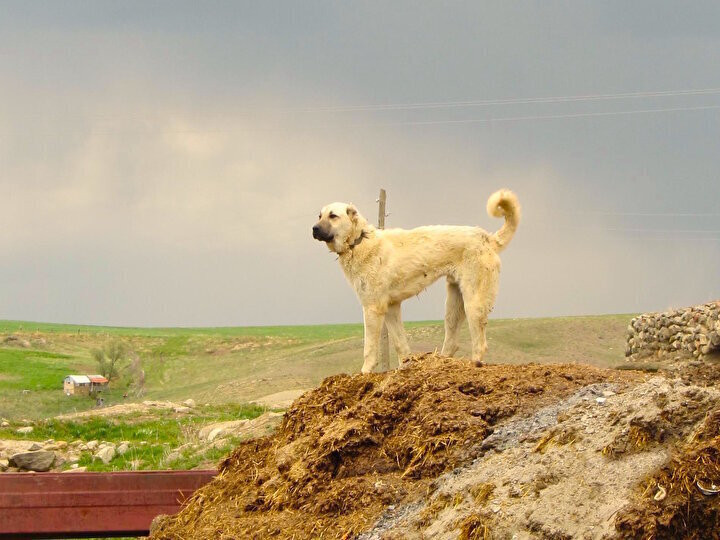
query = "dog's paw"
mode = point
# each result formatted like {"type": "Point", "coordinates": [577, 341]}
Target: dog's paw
{"type": "Point", "coordinates": [478, 363]}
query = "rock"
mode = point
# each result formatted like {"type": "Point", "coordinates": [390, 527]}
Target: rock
{"type": "Point", "coordinates": [4, 423]}
{"type": "Point", "coordinates": [122, 448]}
{"type": "Point", "coordinates": [172, 456]}
{"type": "Point", "coordinates": [4, 464]}
{"type": "Point", "coordinates": [59, 461]}
{"type": "Point", "coordinates": [691, 331]}
{"type": "Point", "coordinates": [182, 409]}
{"type": "Point", "coordinates": [106, 454]}
{"type": "Point", "coordinates": [24, 430]}
{"type": "Point", "coordinates": [36, 446]}
{"type": "Point", "coordinates": [600, 400]}
{"type": "Point", "coordinates": [92, 445]}
{"type": "Point", "coordinates": [189, 403]}
{"type": "Point", "coordinates": [39, 461]}
{"type": "Point", "coordinates": [215, 433]}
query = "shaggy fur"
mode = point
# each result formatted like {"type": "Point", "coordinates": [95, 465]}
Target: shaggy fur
{"type": "Point", "coordinates": [387, 266]}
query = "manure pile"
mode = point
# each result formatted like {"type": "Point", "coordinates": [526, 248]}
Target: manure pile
{"type": "Point", "coordinates": [442, 449]}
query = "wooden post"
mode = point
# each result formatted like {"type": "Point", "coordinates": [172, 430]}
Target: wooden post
{"type": "Point", "coordinates": [384, 352]}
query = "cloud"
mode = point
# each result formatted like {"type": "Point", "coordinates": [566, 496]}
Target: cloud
{"type": "Point", "coordinates": [158, 171]}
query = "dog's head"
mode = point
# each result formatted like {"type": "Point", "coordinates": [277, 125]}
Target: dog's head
{"type": "Point", "coordinates": [340, 226]}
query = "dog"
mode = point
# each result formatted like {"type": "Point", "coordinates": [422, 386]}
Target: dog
{"type": "Point", "coordinates": [387, 266]}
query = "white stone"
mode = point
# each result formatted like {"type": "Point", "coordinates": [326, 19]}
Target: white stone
{"type": "Point", "coordinates": [215, 433]}
{"type": "Point", "coordinates": [24, 430]}
{"type": "Point", "coordinates": [106, 454]}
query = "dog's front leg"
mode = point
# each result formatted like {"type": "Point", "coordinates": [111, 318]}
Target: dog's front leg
{"type": "Point", "coordinates": [373, 316]}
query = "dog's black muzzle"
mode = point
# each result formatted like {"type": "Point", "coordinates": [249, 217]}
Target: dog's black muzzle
{"type": "Point", "coordinates": [319, 234]}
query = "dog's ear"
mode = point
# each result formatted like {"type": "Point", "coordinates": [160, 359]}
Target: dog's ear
{"type": "Point", "coordinates": [352, 211]}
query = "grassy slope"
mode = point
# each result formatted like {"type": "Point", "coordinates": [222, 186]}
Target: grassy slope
{"type": "Point", "coordinates": [218, 365]}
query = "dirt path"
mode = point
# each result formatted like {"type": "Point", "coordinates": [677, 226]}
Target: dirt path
{"type": "Point", "coordinates": [125, 408]}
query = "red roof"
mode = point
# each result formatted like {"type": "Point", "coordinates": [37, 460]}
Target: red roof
{"type": "Point", "coordinates": [97, 379]}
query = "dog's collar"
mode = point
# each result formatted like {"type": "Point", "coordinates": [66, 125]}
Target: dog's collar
{"type": "Point", "coordinates": [360, 238]}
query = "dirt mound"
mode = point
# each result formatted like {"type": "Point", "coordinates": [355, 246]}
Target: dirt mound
{"type": "Point", "coordinates": [359, 444]}
{"type": "Point", "coordinates": [563, 472]}
{"type": "Point", "coordinates": [682, 500]}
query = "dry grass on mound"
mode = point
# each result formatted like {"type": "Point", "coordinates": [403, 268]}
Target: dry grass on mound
{"type": "Point", "coordinates": [672, 505]}
{"type": "Point", "coordinates": [359, 443]}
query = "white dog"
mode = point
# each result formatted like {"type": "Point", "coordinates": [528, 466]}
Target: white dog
{"type": "Point", "coordinates": [387, 266]}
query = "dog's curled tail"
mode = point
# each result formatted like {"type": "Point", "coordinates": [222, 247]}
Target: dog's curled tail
{"type": "Point", "coordinates": [504, 203]}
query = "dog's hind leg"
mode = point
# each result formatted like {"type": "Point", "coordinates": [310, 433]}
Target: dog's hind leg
{"type": "Point", "coordinates": [374, 317]}
{"type": "Point", "coordinates": [479, 300]}
{"type": "Point", "coordinates": [393, 319]}
{"type": "Point", "coordinates": [454, 317]}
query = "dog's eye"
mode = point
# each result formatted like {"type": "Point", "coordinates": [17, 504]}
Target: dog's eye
{"type": "Point", "coordinates": [319, 216]}
{"type": "Point", "coordinates": [332, 216]}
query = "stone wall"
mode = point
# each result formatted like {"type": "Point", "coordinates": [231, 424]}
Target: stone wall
{"type": "Point", "coordinates": [689, 331]}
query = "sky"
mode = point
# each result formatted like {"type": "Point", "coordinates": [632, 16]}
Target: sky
{"type": "Point", "coordinates": [162, 163]}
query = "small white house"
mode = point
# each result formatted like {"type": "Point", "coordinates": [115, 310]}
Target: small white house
{"type": "Point", "coordinates": [84, 384]}
{"type": "Point", "coordinates": [76, 384]}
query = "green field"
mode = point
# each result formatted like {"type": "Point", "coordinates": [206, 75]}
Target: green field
{"type": "Point", "coordinates": [235, 365]}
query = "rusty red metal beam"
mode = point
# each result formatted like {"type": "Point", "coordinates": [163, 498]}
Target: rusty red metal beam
{"type": "Point", "coordinates": [73, 505]}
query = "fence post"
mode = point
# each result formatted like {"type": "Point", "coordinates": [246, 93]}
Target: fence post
{"type": "Point", "coordinates": [384, 352]}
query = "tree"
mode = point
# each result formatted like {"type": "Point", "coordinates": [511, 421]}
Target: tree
{"type": "Point", "coordinates": [138, 375]}
{"type": "Point", "coordinates": [108, 358]}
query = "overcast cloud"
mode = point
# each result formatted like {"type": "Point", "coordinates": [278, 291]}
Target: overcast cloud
{"type": "Point", "coordinates": [161, 163]}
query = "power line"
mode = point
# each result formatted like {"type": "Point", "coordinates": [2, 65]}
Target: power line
{"type": "Point", "coordinates": [661, 231]}
{"type": "Point", "coordinates": [544, 117]}
{"type": "Point", "coordinates": [448, 122]}
{"type": "Point", "coordinates": [512, 101]}
{"type": "Point", "coordinates": [652, 214]}
{"type": "Point", "coordinates": [665, 232]}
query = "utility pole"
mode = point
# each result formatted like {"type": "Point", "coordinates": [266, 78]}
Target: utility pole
{"type": "Point", "coordinates": [384, 352]}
